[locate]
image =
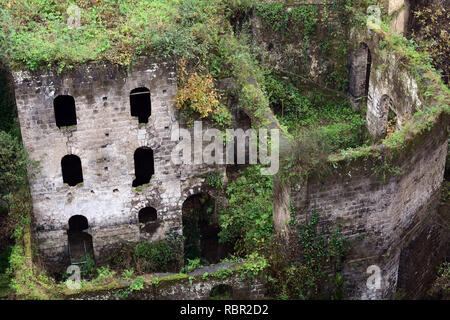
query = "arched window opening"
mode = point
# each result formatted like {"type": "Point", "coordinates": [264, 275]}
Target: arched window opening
{"type": "Point", "coordinates": [71, 170]}
{"type": "Point", "coordinates": [148, 220]}
{"type": "Point", "coordinates": [201, 230]}
{"type": "Point", "coordinates": [140, 103]}
{"type": "Point", "coordinates": [78, 223]}
{"type": "Point", "coordinates": [80, 241]}
{"type": "Point", "coordinates": [221, 292]}
{"type": "Point", "coordinates": [65, 112]}
{"type": "Point", "coordinates": [144, 166]}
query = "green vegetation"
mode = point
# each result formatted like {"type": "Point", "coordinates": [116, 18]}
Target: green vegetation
{"type": "Point", "coordinates": [154, 257]}
{"type": "Point", "coordinates": [305, 30]}
{"type": "Point", "coordinates": [191, 265]}
{"type": "Point", "coordinates": [200, 38]}
{"type": "Point", "coordinates": [441, 286]}
{"type": "Point", "coordinates": [427, 19]}
{"type": "Point", "coordinates": [317, 275]}
{"type": "Point", "coordinates": [246, 220]}
{"type": "Point", "coordinates": [197, 213]}
{"type": "Point", "coordinates": [276, 17]}
{"type": "Point", "coordinates": [297, 108]}
{"type": "Point", "coordinates": [36, 35]}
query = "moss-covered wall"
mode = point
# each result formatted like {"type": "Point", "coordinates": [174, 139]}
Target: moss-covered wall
{"type": "Point", "coordinates": [306, 38]}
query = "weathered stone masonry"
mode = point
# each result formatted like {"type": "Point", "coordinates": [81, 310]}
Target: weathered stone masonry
{"type": "Point", "coordinates": [391, 224]}
{"type": "Point", "coordinates": [105, 139]}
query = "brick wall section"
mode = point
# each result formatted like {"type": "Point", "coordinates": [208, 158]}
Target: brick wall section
{"type": "Point", "coordinates": [105, 139]}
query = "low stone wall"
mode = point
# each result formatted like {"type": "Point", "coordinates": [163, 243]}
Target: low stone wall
{"type": "Point", "coordinates": [193, 286]}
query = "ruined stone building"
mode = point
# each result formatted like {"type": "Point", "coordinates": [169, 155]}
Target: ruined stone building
{"type": "Point", "coordinates": [102, 135]}
{"type": "Point", "coordinates": [391, 218]}
{"type": "Point", "coordinates": [103, 138]}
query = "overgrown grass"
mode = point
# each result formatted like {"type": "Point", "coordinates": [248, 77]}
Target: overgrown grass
{"type": "Point", "coordinates": [298, 106]}
{"type": "Point", "coordinates": [246, 220]}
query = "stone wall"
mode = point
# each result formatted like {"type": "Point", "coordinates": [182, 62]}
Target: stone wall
{"type": "Point", "coordinates": [313, 57]}
{"type": "Point", "coordinates": [390, 224]}
{"type": "Point", "coordinates": [105, 139]}
{"type": "Point", "coordinates": [194, 286]}
{"type": "Point", "coordinates": [390, 85]}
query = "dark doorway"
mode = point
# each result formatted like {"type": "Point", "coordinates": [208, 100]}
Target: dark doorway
{"type": "Point", "coordinates": [71, 170]}
{"type": "Point", "coordinates": [65, 112]}
{"type": "Point", "coordinates": [80, 242]}
{"type": "Point", "coordinates": [200, 230]}
{"type": "Point", "coordinates": [148, 220]}
{"type": "Point", "coordinates": [140, 103]}
{"type": "Point", "coordinates": [144, 166]}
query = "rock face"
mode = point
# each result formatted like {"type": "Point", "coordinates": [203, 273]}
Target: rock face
{"type": "Point", "coordinates": [105, 139]}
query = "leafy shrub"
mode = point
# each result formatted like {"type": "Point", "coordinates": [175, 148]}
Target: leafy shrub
{"type": "Point", "coordinates": [317, 275]}
{"type": "Point", "coordinates": [191, 265]}
{"type": "Point", "coordinates": [441, 286]}
{"type": "Point", "coordinates": [88, 269]}
{"type": "Point", "coordinates": [154, 256]}
{"type": "Point", "coordinates": [127, 274]}
{"type": "Point", "coordinates": [299, 106]}
{"type": "Point", "coordinates": [253, 265]}
{"type": "Point", "coordinates": [273, 15]}
{"type": "Point", "coordinates": [432, 38]}
{"type": "Point", "coordinates": [104, 272]}
{"type": "Point", "coordinates": [246, 221]}
{"type": "Point", "coordinates": [197, 92]}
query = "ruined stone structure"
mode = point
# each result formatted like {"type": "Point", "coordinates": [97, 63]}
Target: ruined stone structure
{"type": "Point", "coordinates": [102, 135]}
{"type": "Point", "coordinates": [390, 222]}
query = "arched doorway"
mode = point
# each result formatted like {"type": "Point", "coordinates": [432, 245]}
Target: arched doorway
{"type": "Point", "coordinates": [80, 241]}
{"type": "Point", "coordinates": [201, 230]}
{"type": "Point", "coordinates": [148, 220]}
{"type": "Point", "coordinates": [388, 117]}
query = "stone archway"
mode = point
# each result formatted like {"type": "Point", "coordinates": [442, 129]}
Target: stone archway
{"type": "Point", "coordinates": [200, 229]}
{"type": "Point", "coordinates": [79, 240]}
